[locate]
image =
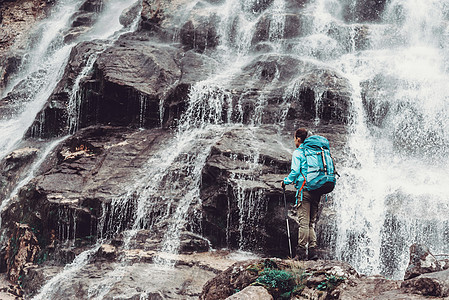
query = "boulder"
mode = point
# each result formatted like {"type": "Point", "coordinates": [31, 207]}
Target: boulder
{"type": "Point", "coordinates": [129, 14]}
{"type": "Point", "coordinates": [130, 81]}
{"type": "Point", "coordinates": [421, 261]}
{"type": "Point", "coordinates": [251, 293]}
{"type": "Point", "coordinates": [434, 284]}
{"type": "Point", "coordinates": [308, 279]}
{"type": "Point", "coordinates": [108, 252]}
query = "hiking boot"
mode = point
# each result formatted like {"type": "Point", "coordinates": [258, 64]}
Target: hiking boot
{"type": "Point", "coordinates": [313, 255]}
{"type": "Point", "coordinates": [300, 254]}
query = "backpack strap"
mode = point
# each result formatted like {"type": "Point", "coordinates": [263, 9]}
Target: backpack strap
{"type": "Point", "coordinates": [301, 189]}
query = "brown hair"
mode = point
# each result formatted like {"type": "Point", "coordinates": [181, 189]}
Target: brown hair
{"type": "Point", "coordinates": [301, 133]}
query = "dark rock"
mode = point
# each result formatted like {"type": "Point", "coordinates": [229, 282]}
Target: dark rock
{"type": "Point", "coordinates": [132, 97]}
{"type": "Point", "coordinates": [292, 28]}
{"type": "Point", "coordinates": [55, 118]}
{"type": "Point", "coordinates": [364, 11]}
{"type": "Point", "coordinates": [8, 67]}
{"type": "Point", "coordinates": [130, 14]}
{"type": "Point", "coordinates": [199, 35]}
{"type": "Point", "coordinates": [434, 284]}
{"type": "Point", "coordinates": [309, 276]}
{"type": "Point", "coordinates": [421, 261]}
{"type": "Point", "coordinates": [108, 252]}
{"type": "Point", "coordinates": [21, 251]}
{"type": "Point", "coordinates": [13, 166]}
{"type": "Point", "coordinates": [241, 204]}
{"type": "Point", "coordinates": [83, 19]}
{"type": "Point", "coordinates": [83, 175]}
{"type": "Point", "coordinates": [317, 94]}
{"type": "Point", "coordinates": [236, 277]}
{"type": "Point", "coordinates": [193, 243]}
{"type": "Point", "coordinates": [110, 95]}
{"type": "Point", "coordinates": [152, 15]}
{"type": "Point", "coordinates": [92, 6]}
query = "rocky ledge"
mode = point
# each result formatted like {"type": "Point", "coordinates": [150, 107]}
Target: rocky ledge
{"type": "Point", "coordinates": [267, 279]}
{"type": "Point", "coordinates": [138, 272]}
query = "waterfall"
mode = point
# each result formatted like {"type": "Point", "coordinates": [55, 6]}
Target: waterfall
{"type": "Point", "coordinates": [399, 193]}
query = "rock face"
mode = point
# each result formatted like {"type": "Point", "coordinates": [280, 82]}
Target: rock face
{"type": "Point", "coordinates": [21, 252]}
{"type": "Point", "coordinates": [17, 19]}
{"type": "Point", "coordinates": [13, 166]}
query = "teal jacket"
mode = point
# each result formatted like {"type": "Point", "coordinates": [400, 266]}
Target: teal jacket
{"type": "Point", "coordinates": [298, 168]}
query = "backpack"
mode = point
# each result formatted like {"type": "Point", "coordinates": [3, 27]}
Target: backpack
{"type": "Point", "coordinates": [320, 174]}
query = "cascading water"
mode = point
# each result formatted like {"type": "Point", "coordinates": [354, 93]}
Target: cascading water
{"type": "Point", "coordinates": [396, 196]}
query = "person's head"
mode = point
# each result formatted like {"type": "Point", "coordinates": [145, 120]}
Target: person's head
{"type": "Point", "coordinates": [300, 136]}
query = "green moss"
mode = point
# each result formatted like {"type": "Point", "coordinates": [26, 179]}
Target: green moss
{"type": "Point", "coordinates": [330, 282]}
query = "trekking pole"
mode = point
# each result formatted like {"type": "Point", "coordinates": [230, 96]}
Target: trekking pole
{"type": "Point", "coordinates": [288, 227]}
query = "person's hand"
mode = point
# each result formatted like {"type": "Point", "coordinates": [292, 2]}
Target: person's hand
{"type": "Point", "coordinates": [283, 184]}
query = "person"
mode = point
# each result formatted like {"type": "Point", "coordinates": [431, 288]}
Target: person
{"type": "Point", "coordinates": [307, 208]}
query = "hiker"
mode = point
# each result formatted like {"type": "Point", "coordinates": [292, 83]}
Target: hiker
{"type": "Point", "coordinates": [309, 191]}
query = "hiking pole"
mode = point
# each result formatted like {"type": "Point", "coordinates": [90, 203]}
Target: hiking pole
{"type": "Point", "coordinates": [288, 227]}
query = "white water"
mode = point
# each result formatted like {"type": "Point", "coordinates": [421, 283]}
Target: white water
{"type": "Point", "coordinates": [31, 173]}
{"type": "Point", "coordinates": [400, 192]}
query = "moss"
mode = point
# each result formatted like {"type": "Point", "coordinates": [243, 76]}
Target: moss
{"type": "Point", "coordinates": [284, 281]}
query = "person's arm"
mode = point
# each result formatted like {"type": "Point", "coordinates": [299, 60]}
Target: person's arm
{"type": "Point", "coordinates": [295, 171]}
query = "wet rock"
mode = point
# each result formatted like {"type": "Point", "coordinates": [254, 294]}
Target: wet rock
{"type": "Point", "coordinates": [130, 80]}
{"type": "Point", "coordinates": [312, 278]}
{"type": "Point", "coordinates": [241, 199]}
{"type": "Point", "coordinates": [434, 284]}
{"type": "Point", "coordinates": [9, 65]}
{"type": "Point", "coordinates": [292, 28]}
{"type": "Point", "coordinates": [17, 21]}
{"type": "Point", "coordinates": [152, 15]}
{"type": "Point", "coordinates": [191, 242]}
{"type": "Point", "coordinates": [235, 278]}
{"type": "Point", "coordinates": [304, 90]}
{"type": "Point", "coordinates": [13, 166]}
{"type": "Point", "coordinates": [364, 11]}
{"type": "Point", "coordinates": [108, 252]}
{"type": "Point", "coordinates": [421, 261]}
{"type": "Point", "coordinates": [138, 279]}
{"type": "Point", "coordinates": [56, 117]}
{"type": "Point", "coordinates": [251, 292]}
{"type": "Point", "coordinates": [130, 14]}
{"type": "Point", "coordinates": [82, 173]}
{"type": "Point", "coordinates": [21, 251]}
{"type": "Point", "coordinates": [199, 35]}
{"type": "Point", "coordinates": [92, 6]}
{"type": "Point", "coordinates": [83, 19]}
